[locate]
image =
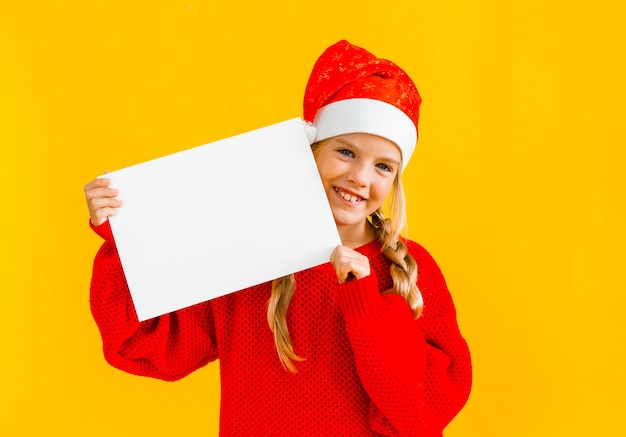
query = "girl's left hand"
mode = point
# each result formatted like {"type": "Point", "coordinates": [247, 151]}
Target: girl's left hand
{"type": "Point", "coordinates": [349, 264]}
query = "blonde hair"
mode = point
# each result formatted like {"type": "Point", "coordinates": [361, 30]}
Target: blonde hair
{"type": "Point", "coordinates": [403, 272]}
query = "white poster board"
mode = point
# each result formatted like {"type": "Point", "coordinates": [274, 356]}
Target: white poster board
{"type": "Point", "coordinates": [221, 217]}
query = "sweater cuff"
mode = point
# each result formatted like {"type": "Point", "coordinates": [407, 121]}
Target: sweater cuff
{"type": "Point", "coordinates": [360, 299]}
{"type": "Point", "coordinates": [103, 230]}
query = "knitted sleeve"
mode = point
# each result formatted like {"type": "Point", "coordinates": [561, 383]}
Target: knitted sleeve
{"type": "Point", "coordinates": [167, 347]}
{"type": "Point", "coordinates": [416, 373]}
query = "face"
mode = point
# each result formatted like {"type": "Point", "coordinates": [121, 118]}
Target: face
{"type": "Point", "coordinates": [357, 171]}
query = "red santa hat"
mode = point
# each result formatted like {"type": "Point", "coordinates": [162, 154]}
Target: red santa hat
{"type": "Point", "coordinates": [352, 91]}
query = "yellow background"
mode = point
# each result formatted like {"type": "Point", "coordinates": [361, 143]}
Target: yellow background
{"type": "Point", "coordinates": [517, 187]}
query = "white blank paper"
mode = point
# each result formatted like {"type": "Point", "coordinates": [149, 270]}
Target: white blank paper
{"type": "Point", "coordinates": [221, 217]}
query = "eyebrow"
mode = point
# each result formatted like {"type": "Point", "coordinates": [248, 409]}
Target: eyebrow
{"type": "Point", "coordinates": [384, 158]}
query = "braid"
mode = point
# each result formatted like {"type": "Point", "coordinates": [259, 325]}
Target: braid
{"type": "Point", "coordinates": [403, 268]}
{"type": "Point", "coordinates": [277, 306]}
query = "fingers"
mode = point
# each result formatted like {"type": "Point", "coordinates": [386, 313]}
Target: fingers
{"type": "Point", "coordinates": [98, 183]}
{"type": "Point", "coordinates": [101, 200]}
{"type": "Point", "coordinates": [101, 210]}
{"type": "Point", "coordinates": [349, 264]}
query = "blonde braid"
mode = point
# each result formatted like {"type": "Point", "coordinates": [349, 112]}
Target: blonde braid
{"type": "Point", "coordinates": [277, 306]}
{"type": "Point", "coordinates": [403, 269]}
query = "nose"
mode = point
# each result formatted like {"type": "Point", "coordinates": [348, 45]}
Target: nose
{"type": "Point", "coordinates": [359, 174]}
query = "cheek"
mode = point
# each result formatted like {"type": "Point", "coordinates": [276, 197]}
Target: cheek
{"type": "Point", "coordinates": [327, 172]}
{"type": "Point", "coordinates": [383, 189]}
{"type": "Point", "coordinates": [324, 175]}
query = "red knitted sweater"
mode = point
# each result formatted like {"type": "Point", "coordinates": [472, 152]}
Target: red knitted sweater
{"type": "Point", "coordinates": [370, 368]}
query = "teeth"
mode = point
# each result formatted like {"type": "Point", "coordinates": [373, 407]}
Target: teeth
{"type": "Point", "coordinates": [348, 197]}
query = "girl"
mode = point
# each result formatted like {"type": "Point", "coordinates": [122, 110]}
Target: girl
{"type": "Point", "coordinates": [365, 345]}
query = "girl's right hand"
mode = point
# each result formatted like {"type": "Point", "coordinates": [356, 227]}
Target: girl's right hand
{"type": "Point", "coordinates": [349, 264]}
{"type": "Point", "coordinates": [101, 200]}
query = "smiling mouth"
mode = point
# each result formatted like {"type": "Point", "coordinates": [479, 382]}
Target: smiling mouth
{"type": "Point", "coordinates": [348, 197]}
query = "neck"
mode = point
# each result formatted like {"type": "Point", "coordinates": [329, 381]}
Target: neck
{"type": "Point", "coordinates": [354, 236]}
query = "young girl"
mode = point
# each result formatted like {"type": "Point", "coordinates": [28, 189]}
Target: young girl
{"type": "Point", "coordinates": [365, 345]}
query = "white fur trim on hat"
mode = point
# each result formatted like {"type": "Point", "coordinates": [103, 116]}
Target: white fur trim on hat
{"type": "Point", "coordinates": [368, 116]}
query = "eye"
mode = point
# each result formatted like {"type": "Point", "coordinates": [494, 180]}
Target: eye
{"type": "Point", "coordinates": [384, 167]}
{"type": "Point", "coordinates": [346, 152]}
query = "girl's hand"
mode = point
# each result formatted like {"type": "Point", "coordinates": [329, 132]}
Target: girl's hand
{"type": "Point", "coordinates": [349, 264]}
{"type": "Point", "coordinates": [101, 200]}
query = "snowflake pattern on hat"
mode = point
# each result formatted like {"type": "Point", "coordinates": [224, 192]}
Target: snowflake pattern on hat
{"type": "Point", "coordinates": [345, 71]}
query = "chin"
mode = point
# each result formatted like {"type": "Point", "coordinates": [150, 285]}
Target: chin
{"type": "Point", "coordinates": [347, 222]}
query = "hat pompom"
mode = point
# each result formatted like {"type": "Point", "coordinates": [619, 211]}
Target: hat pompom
{"type": "Point", "coordinates": [311, 131]}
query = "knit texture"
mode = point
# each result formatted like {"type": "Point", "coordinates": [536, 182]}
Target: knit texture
{"type": "Point", "coordinates": [370, 369]}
